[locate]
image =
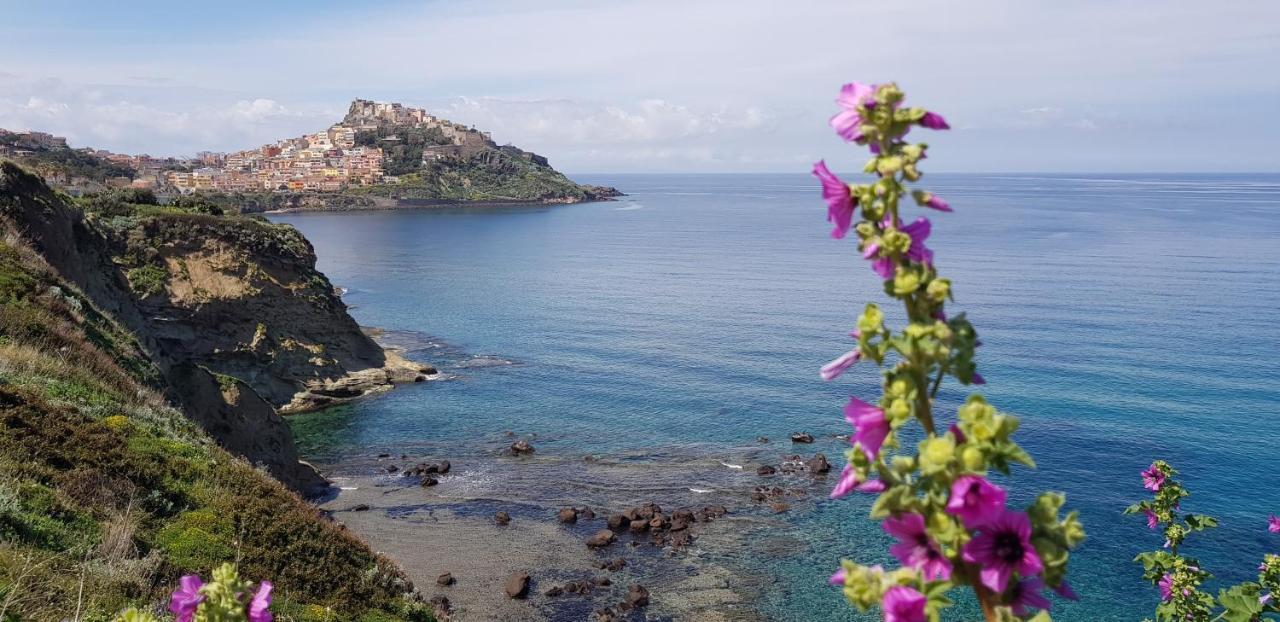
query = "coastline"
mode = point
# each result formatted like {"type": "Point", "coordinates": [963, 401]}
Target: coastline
{"type": "Point", "coordinates": [388, 204]}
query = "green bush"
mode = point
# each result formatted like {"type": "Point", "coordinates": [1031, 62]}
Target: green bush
{"type": "Point", "coordinates": [197, 541]}
{"type": "Point", "coordinates": [148, 280]}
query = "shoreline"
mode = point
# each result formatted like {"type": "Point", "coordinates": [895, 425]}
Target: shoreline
{"type": "Point", "coordinates": [387, 204]}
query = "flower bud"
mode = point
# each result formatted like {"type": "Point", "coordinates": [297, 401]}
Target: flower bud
{"type": "Point", "coordinates": [939, 290]}
{"type": "Point", "coordinates": [973, 460]}
{"type": "Point", "coordinates": [905, 281]}
{"type": "Point", "coordinates": [888, 165]}
{"type": "Point", "coordinates": [899, 410]}
{"type": "Point", "coordinates": [936, 453]}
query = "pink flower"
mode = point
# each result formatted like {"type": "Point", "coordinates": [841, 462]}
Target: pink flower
{"type": "Point", "coordinates": [1273, 524]}
{"type": "Point", "coordinates": [872, 485]}
{"type": "Point", "coordinates": [1026, 594]}
{"type": "Point", "coordinates": [934, 121]}
{"type": "Point", "coordinates": [261, 601]}
{"type": "Point", "coordinates": [832, 370]}
{"type": "Point", "coordinates": [1002, 548]}
{"type": "Point", "coordinates": [1166, 588]}
{"type": "Point", "coordinates": [837, 579]}
{"type": "Point", "coordinates": [1152, 478]}
{"type": "Point", "coordinates": [1153, 521]}
{"type": "Point", "coordinates": [975, 500]}
{"type": "Point", "coordinates": [937, 202]}
{"type": "Point", "coordinates": [903, 604]}
{"type": "Point", "coordinates": [187, 598]}
{"type": "Point", "coordinates": [915, 548]}
{"type": "Point", "coordinates": [881, 265]}
{"type": "Point", "coordinates": [847, 123]}
{"type": "Point", "coordinates": [870, 426]}
{"type": "Point", "coordinates": [848, 479]}
{"type": "Point", "coordinates": [839, 200]}
{"type": "Point", "coordinates": [919, 232]}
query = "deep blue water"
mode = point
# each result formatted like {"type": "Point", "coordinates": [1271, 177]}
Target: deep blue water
{"type": "Point", "coordinates": [1124, 318]}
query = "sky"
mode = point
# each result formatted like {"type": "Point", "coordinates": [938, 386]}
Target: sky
{"type": "Point", "coordinates": [666, 85]}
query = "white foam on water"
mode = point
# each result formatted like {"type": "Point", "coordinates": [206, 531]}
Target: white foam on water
{"type": "Point", "coordinates": [732, 466]}
{"type": "Point", "coordinates": [628, 208]}
{"type": "Point", "coordinates": [701, 491]}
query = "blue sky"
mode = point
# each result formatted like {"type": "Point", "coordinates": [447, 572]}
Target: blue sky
{"type": "Point", "coordinates": [666, 85]}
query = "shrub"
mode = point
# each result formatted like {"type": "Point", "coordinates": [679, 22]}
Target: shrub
{"type": "Point", "coordinates": [148, 280]}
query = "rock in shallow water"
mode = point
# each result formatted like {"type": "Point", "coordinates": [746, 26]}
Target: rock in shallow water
{"type": "Point", "coordinates": [502, 518]}
{"type": "Point", "coordinates": [801, 437]}
{"type": "Point", "coordinates": [567, 515]}
{"type": "Point", "coordinates": [521, 448]}
{"type": "Point", "coordinates": [517, 585]}
{"type": "Point", "coordinates": [601, 539]}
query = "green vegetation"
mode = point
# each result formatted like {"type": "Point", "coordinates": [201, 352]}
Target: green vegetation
{"type": "Point", "coordinates": [66, 162]}
{"type": "Point", "coordinates": [148, 280]}
{"type": "Point", "coordinates": [502, 175]}
{"type": "Point", "coordinates": [108, 494]}
{"type": "Point", "coordinates": [404, 154]}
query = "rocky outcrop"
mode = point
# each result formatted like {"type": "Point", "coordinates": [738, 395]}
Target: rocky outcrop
{"type": "Point", "coordinates": [231, 311]}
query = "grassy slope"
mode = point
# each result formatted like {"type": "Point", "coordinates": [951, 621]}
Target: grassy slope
{"type": "Point", "coordinates": [107, 494]}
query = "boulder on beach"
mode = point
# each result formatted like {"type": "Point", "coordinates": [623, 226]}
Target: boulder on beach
{"type": "Point", "coordinates": [567, 515]}
{"type": "Point", "coordinates": [517, 585]}
{"type": "Point", "coordinates": [445, 579]}
{"type": "Point", "coordinates": [502, 518]}
{"type": "Point", "coordinates": [601, 539]}
{"type": "Point", "coordinates": [801, 437]}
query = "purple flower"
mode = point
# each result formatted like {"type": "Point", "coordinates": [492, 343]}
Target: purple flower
{"type": "Point", "coordinates": [832, 370]}
{"type": "Point", "coordinates": [903, 604]}
{"type": "Point", "coordinates": [1153, 521]}
{"type": "Point", "coordinates": [1152, 478]}
{"type": "Point", "coordinates": [919, 232]}
{"type": "Point", "coordinates": [848, 479]}
{"type": "Point", "coordinates": [186, 598]}
{"type": "Point", "coordinates": [869, 425]}
{"type": "Point", "coordinates": [1026, 594]}
{"type": "Point", "coordinates": [839, 200]}
{"type": "Point", "coordinates": [915, 548]}
{"type": "Point", "coordinates": [872, 485]}
{"type": "Point", "coordinates": [881, 265]}
{"type": "Point", "coordinates": [847, 123]}
{"type": "Point", "coordinates": [837, 579]}
{"type": "Point", "coordinates": [1064, 590]}
{"type": "Point", "coordinates": [978, 379]}
{"type": "Point", "coordinates": [975, 500]}
{"type": "Point", "coordinates": [957, 433]}
{"type": "Point", "coordinates": [261, 601]}
{"type": "Point", "coordinates": [1002, 548]}
{"type": "Point", "coordinates": [1166, 588]}
{"type": "Point", "coordinates": [937, 202]}
{"type": "Point", "coordinates": [934, 121]}
{"type": "Point", "coordinates": [1273, 524]}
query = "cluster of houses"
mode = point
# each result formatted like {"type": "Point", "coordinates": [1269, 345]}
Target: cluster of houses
{"type": "Point", "coordinates": [324, 161]}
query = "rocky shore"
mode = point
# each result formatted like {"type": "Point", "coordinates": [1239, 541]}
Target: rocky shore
{"type": "Point", "coordinates": [509, 532]}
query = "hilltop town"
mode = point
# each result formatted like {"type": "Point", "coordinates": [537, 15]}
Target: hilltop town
{"type": "Point", "coordinates": [377, 150]}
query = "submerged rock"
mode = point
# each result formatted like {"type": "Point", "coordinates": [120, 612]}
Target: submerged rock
{"type": "Point", "coordinates": [601, 539]}
{"type": "Point", "coordinates": [517, 585]}
{"type": "Point", "coordinates": [637, 596]}
{"type": "Point", "coordinates": [766, 470]}
{"type": "Point", "coordinates": [521, 448]}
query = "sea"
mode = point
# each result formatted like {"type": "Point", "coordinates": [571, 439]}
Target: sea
{"type": "Point", "coordinates": [648, 346]}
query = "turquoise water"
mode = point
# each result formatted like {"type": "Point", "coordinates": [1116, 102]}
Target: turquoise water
{"type": "Point", "coordinates": [1124, 318]}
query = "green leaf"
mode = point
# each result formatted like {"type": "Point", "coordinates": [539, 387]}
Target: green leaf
{"type": "Point", "coordinates": [1241, 602]}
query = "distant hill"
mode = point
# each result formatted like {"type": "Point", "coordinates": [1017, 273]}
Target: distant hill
{"type": "Point", "coordinates": [380, 155]}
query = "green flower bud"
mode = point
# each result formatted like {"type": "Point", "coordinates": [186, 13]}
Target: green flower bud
{"type": "Point", "coordinates": [872, 320]}
{"type": "Point", "coordinates": [888, 165]}
{"type": "Point", "coordinates": [910, 172]}
{"type": "Point", "coordinates": [865, 230]}
{"type": "Point", "coordinates": [903, 465]}
{"type": "Point", "coordinates": [939, 290]}
{"type": "Point", "coordinates": [896, 241]}
{"type": "Point", "coordinates": [941, 331]}
{"type": "Point", "coordinates": [936, 454]}
{"type": "Point", "coordinates": [972, 459]}
{"type": "Point", "coordinates": [899, 410]}
{"type": "Point", "coordinates": [905, 281]}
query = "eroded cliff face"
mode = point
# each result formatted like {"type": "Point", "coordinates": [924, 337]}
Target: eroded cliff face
{"type": "Point", "coordinates": [230, 309]}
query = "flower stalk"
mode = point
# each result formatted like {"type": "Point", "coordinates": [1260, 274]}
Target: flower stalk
{"type": "Point", "coordinates": [950, 520]}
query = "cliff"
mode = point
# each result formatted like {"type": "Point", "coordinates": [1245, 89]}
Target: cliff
{"type": "Point", "coordinates": [107, 491]}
